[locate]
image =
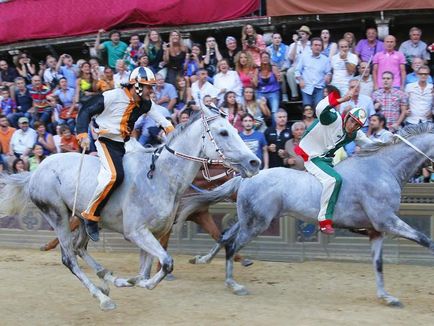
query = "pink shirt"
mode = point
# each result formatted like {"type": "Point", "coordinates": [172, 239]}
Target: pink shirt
{"type": "Point", "coordinates": [389, 62]}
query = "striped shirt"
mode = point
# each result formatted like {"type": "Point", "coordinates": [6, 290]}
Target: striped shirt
{"type": "Point", "coordinates": [391, 101]}
{"type": "Point", "coordinates": [39, 97]}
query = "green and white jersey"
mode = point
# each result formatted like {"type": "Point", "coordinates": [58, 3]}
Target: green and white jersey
{"type": "Point", "coordinates": [327, 134]}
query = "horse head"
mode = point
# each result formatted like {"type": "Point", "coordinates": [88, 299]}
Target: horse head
{"type": "Point", "coordinates": [221, 142]}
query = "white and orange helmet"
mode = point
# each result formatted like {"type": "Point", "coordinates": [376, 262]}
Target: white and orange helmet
{"type": "Point", "coordinates": [142, 76]}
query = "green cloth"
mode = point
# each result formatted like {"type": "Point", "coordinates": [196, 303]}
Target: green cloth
{"type": "Point", "coordinates": [325, 164]}
{"type": "Point", "coordinates": [114, 52]}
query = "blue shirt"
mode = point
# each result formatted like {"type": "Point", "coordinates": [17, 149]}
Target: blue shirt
{"type": "Point", "coordinates": [24, 100]}
{"type": "Point", "coordinates": [70, 73]}
{"type": "Point", "coordinates": [412, 78]}
{"type": "Point", "coordinates": [312, 69]}
{"type": "Point", "coordinates": [256, 141]}
{"type": "Point", "coordinates": [167, 90]}
{"type": "Point", "coordinates": [66, 97]}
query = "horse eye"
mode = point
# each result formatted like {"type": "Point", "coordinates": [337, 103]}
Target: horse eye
{"type": "Point", "coordinates": [224, 133]}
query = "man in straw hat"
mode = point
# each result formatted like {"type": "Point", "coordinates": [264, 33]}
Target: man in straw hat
{"type": "Point", "coordinates": [300, 46]}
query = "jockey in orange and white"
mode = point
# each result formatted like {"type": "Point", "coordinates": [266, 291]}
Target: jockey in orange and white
{"type": "Point", "coordinates": [115, 113]}
{"type": "Point", "coordinates": [322, 139]}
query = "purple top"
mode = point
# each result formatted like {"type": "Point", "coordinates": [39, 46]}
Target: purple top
{"type": "Point", "coordinates": [365, 51]}
{"type": "Point", "coordinates": [268, 85]}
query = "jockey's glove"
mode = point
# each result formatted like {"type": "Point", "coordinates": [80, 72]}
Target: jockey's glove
{"type": "Point", "coordinates": [83, 140]}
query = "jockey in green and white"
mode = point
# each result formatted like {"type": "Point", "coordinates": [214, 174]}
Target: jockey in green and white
{"type": "Point", "coordinates": [322, 139]}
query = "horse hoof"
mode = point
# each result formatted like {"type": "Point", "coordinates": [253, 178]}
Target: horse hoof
{"type": "Point", "coordinates": [194, 260]}
{"type": "Point", "coordinates": [122, 283]}
{"type": "Point", "coordinates": [395, 303]}
{"type": "Point", "coordinates": [246, 262]}
{"type": "Point", "coordinates": [170, 277]}
{"type": "Point", "coordinates": [135, 280]}
{"type": "Point", "coordinates": [146, 284]}
{"type": "Point", "coordinates": [43, 248]}
{"type": "Point", "coordinates": [107, 305]}
{"type": "Point", "coordinates": [105, 290]}
{"type": "Point", "coordinates": [392, 302]}
{"type": "Point", "coordinates": [241, 291]}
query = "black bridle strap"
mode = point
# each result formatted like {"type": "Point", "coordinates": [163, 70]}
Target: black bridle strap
{"type": "Point", "coordinates": [155, 157]}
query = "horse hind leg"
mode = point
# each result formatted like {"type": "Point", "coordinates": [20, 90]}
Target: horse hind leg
{"type": "Point", "coordinates": [80, 242]}
{"type": "Point", "coordinates": [376, 239]}
{"type": "Point", "coordinates": [74, 223]}
{"type": "Point", "coordinates": [58, 219]}
{"type": "Point", "coordinates": [226, 236]}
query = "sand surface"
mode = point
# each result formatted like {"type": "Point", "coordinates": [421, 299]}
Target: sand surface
{"type": "Point", "coordinates": [36, 289]}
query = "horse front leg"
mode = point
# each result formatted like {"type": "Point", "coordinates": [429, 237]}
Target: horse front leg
{"type": "Point", "coordinates": [146, 241]}
{"type": "Point", "coordinates": [376, 239]}
{"type": "Point", "coordinates": [144, 269]}
{"type": "Point", "coordinates": [225, 238]}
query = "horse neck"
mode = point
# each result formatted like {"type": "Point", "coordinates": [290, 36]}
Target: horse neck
{"type": "Point", "coordinates": [405, 161]}
{"type": "Point", "coordinates": [183, 171]}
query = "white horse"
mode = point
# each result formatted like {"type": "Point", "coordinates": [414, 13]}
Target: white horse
{"type": "Point", "coordinates": [142, 208]}
{"type": "Point", "coordinates": [368, 203]}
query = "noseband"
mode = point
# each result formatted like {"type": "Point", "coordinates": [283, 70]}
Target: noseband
{"type": "Point", "coordinates": [206, 162]}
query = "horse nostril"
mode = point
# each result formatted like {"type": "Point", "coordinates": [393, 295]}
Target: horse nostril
{"type": "Point", "coordinates": [254, 163]}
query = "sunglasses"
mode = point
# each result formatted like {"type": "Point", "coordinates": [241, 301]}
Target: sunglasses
{"type": "Point", "coordinates": [423, 73]}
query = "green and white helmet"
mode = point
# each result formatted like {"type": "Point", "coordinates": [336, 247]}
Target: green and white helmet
{"type": "Point", "coordinates": [359, 115]}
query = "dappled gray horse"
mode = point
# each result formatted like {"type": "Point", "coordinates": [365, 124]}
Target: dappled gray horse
{"type": "Point", "coordinates": [368, 203]}
{"type": "Point", "coordinates": [142, 208]}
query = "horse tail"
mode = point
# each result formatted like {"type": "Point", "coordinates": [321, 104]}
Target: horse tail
{"type": "Point", "coordinates": [14, 193]}
{"type": "Point", "coordinates": [202, 201]}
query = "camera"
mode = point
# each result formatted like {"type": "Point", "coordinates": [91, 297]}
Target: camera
{"type": "Point", "coordinates": [251, 41]}
{"type": "Point", "coordinates": [190, 103]}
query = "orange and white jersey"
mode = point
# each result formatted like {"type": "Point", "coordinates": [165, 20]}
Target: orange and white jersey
{"type": "Point", "coordinates": [115, 113]}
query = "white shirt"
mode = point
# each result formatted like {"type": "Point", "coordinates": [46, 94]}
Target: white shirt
{"type": "Point", "coordinates": [229, 81]}
{"type": "Point", "coordinates": [367, 86]}
{"type": "Point", "coordinates": [199, 93]}
{"type": "Point", "coordinates": [23, 141]}
{"type": "Point", "coordinates": [341, 77]}
{"type": "Point", "coordinates": [299, 51]}
{"type": "Point", "coordinates": [420, 102]}
{"type": "Point", "coordinates": [50, 74]}
{"type": "Point", "coordinates": [121, 78]}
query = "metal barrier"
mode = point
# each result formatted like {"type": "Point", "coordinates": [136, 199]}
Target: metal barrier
{"type": "Point", "coordinates": [287, 239]}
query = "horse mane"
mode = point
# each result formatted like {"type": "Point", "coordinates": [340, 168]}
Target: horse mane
{"type": "Point", "coordinates": [180, 128]}
{"type": "Point", "coordinates": [406, 132]}
{"type": "Point", "coordinates": [134, 146]}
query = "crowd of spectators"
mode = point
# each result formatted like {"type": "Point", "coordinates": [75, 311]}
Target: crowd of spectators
{"type": "Point", "coordinates": [250, 76]}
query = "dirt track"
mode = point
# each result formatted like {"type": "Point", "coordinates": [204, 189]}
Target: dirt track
{"type": "Point", "coordinates": [36, 289]}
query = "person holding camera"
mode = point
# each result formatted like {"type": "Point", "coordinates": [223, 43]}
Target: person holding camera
{"type": "Point", "coordinates": [212, 56]}
{"type": "Point", "coordinates": [50, 74]}
{"type": "Point", "coordinates": [252, 43]}
{"type": "Point", "coordinates": [193, 63]}
{"type": "Point", "coordinates": [25, 68]}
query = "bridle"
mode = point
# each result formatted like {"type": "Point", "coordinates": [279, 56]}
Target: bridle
{"type": "Point", "coordinates": [206, 162]}
{"type": "Point", "coordinates": [415, 149]}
